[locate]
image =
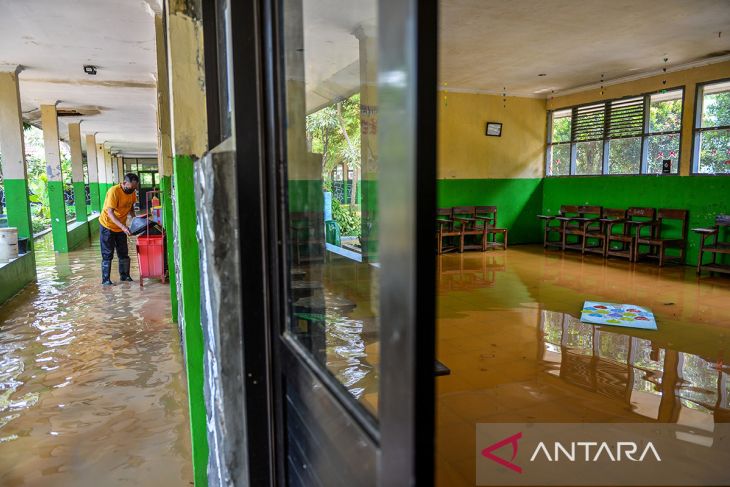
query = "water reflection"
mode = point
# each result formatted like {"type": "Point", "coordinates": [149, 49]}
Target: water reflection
{"type": "Point", "coordinates": [658, 382]}
{"type": "Point", "coordinates": [335, 321]}
{"type": "Point", "coordinates": [92, 390]}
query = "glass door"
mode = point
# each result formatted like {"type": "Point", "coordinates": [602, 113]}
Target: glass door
{"type": "Point", "coordinates": [334, 346]}
{"type": "Point", "coordinates": [354, 201]}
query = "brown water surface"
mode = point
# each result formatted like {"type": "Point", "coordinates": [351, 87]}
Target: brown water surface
{"type": "Point", "coordinates": [509, 329]}
{"type": "Point", "coordinates": [92, 389]}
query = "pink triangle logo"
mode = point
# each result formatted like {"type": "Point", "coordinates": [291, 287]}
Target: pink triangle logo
{"type": "Point", "coordinates": [487, 452]}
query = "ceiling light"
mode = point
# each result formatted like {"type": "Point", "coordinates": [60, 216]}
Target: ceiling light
{"type": "Point", "coordinates": [89, 69]}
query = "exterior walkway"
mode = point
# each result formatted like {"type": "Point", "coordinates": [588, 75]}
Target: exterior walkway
{"type": "Point", "coordinates": [92, 385]}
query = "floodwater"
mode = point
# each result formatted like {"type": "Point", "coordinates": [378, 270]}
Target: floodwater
{"type": "Point", "coordinates": [509, 330]}
{"type": "Point", "coordinates": [92, 385]}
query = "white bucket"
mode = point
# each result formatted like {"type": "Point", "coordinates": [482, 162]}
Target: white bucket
{"type": "Point", "coordinates": [8, 244]}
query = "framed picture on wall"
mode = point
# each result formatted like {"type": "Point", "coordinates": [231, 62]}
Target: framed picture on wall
{"type": "Point", "coordinates": [494, 129]}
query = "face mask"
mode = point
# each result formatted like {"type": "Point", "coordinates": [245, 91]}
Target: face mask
{"type": "Point", "coordinates": [128, 190]}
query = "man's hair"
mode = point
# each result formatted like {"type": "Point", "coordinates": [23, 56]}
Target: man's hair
{"type": "Point", "coordinates": [131, 178]}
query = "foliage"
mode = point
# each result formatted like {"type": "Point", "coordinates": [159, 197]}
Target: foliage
{"type": "Point", "coordinates": [715, 144]}
{"type": "Point", "coordinates": [347, 218]}
{"type": "Point", "coordinates": [334, 132]}
{"type": "Point", "coordinates": [38, 179]}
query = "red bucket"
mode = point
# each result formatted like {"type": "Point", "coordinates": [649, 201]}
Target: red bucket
{"type": "Point", "coordinates": [151, 255]}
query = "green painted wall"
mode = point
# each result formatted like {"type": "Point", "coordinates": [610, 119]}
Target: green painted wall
{"type": "Point", "coordinates": [15, 275]}
{"type": "Point", "coordinates": [58, 216]}
{"type": "Point", "coordinates": [94, 193]}
{"type": "Point", "coordinates": [517, 201]}
{"type": "Point", "coordinates": [80, 201]}
{"type": "Point", "coordinates": [18, 209]}
{"type": "Point", "coordinates": [703, 196]}
{"type": "Point", "coordinates": [94, 226]}
{"type": "Point", "coordinates": [188, 286]}
{"type": "Point", "coordinates": [167, 218]}
{"type": "Point", "coordinates": [78, 233]}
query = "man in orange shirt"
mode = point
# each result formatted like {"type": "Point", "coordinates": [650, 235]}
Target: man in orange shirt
{"type": "Point", "coordinates": [118, 204]}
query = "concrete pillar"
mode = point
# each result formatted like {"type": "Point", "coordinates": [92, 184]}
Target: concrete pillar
{"type": "Point", "coordinates": [120, 168]}
{"type": "Point", "coordinates": [77, 171]}
{"type": "Point", "coordinates": [12, 147]}
{"type": "Point", "coordinates": [49, 122]}
{"type": "Point", "coordinates": [164, 152]}
{"type": "Point", "coordinates": [93, 164]}
{"type": "Point", "coordinates": [108, 169]}
{"type": "Point", "coordinates": [101, 164]}
{"type": "Point", "coordinates": [115, 169]}
{"type": "Point", "coordinates": [366, 36]}
{"type": "Point", "coordinates": [186, 77]}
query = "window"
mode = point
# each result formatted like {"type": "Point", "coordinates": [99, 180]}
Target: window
{"type": "Point", "coordinates": [665, 126]}
{"type": "Point", "coordinates": [712, 129]}
{"type": "Point", "coordinates": [626, 136]}
{"type": "Point", "coordinates": [559, 144]}
{"type": "Point", "coordinates": [625, 129]}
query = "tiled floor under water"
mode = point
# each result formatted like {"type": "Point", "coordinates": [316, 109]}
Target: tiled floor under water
{"type": "Point", "coordinates": [508, 328]}
{"type": "Point", "coordinates": [92, 390]}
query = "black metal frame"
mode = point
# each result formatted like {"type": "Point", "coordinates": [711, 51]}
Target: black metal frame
{"type": "Point", "coordinates": [696, 131]}
{"type": "Point", "coordinates": [248, 129]}
{"type": "Point", "coordinates": [605, 140]}
{"type": "Point", "coordinates": [406, 431]}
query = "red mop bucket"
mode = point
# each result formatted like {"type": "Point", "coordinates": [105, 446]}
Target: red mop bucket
{"type": "Point", "coordinates": [151, 256]}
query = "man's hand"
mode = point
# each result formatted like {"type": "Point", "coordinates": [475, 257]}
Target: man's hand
{"type": "Point", "coordinates": [126, 230]}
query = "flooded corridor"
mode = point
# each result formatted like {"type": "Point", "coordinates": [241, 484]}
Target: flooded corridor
{"type": "Point", "coordinates": [92, 384]}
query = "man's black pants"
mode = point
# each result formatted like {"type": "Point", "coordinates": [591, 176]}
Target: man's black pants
{"type": "Point", "coordinates": [110, 241]}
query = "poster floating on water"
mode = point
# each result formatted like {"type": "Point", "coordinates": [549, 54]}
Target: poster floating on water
{"type": "Point", "coordinates": [613, 314]}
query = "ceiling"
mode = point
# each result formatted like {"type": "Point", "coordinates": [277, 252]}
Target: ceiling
{"type": "Point", "coordinates": [491, 45]}
{"type": "Point", "coordinates": [485, 46]}
{"type": "Point", "coordinates": [53, 40]}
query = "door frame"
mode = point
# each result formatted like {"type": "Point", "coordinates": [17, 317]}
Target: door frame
{"type": "Point", "coordinates": [404, 430]}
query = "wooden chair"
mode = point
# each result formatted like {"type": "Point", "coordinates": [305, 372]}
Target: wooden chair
{"type": "Point", "coordinates": [637, 220]}
{"type": "Point", "coordinates": [446, 231]}
{"type": "Point", "coordinates": [556, 226]}
{"type": "Point", "coordinates": [488, 216]}
{"type": "Point", "coordinates": [307, 236]}
{"type": "Point", "coordinates": [465, 218]}
{"type": "Point", "coordinates": [714, 247]}
{"type": "Point", "coordinates": [588, 216]}
{"type": "Point", "coordinates": [659, 240]}
{"type": "Point", "coordinates": [598, 231]}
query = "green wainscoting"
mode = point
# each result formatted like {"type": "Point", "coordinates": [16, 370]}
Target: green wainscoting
{"type": "Point", "coordinates": [188, 286]}
{"type": "Point", "coordinates": [15, 275]}
{"type": "Point", "coordinates": [703, 196]}
{"type": "Point", "coordinates": [78, 234]}
{"type": "Point", "coordinates": [517, 202]}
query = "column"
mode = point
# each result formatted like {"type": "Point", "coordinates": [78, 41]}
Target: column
{"type": "Point", "coordinates": [164, 153]}
{"type": "Point", "coordinates": [120, 168]}
{"type": "Point", "coordinates": [368, 140]}
{"type": "Point", "coordinates": [100, 163]}
{"type": "Point", "coordinates": [189, 136]}
{"type": "Point", "coordinates": [92, 164]}
{"type": "Point", "coordinates": [108, 169]}
{"type": "Point", "coordinates": [12, 146]}
{"type": "Point", "coordinates": [77, 171]}
{"type": "Point", "coordinates": [115, 169]}
{"type": "Point", "coordinates": [49, 122]}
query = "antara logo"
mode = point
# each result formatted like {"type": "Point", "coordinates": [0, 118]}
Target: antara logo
{"type": "Point", "coordinates": [487, 452]}
{"type": "Point", "coordinates": [587, 451]}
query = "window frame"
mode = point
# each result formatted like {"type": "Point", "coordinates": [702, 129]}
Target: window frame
{"type": "Point", "coordinates": [697, 128]}
{"type": "Point", "coordinates": [644, 163]}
